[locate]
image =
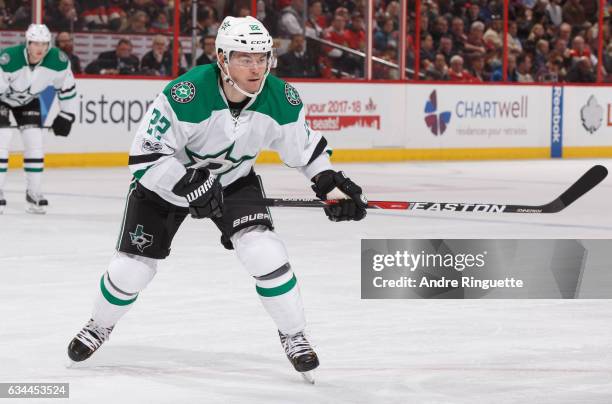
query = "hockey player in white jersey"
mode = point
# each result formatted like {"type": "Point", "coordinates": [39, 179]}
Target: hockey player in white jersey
{"type": "Point", "coordinates": [193, 153]}
{"type": "Point", "coordinates": [25, 71]}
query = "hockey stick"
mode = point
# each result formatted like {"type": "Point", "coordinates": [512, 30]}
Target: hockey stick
{"type": "Point", "coordinates": [588, 181]}
{"type": "Point", "coordinates": [34, 126]}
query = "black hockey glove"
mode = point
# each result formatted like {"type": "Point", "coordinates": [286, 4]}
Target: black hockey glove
{"type": "Point", "coordinates": [353, 208]}
{"type": "Point", "coordinates": [203, 192]}
{"type": "Point", "coordinates": [62, 123]}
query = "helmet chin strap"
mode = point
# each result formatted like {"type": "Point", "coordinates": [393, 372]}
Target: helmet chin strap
{"type": "Point", "coordinates": [227, 77]}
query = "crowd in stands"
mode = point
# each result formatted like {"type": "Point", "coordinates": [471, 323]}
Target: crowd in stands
{"type": "Point", "coordinates": [459, 40]}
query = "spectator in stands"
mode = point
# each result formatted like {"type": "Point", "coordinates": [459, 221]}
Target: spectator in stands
{"type": "Point", "coordinates": [138, 23]}
{"type": "Point", "coordinates": [512, 73]}
{"type": "Point", "coordinates": [344, 12]}
{"type": "Point", "coordinates": [492, 37]}
{"type": "Point", "coordinates": [440, 29]}
{"type": "Point", "coordinates": [565, 32]}
{"type": "Point", "coordinates": [438, 70]}
{"type": "Point", "coordinates": [337, 33]}
{"type": "Point", "coordinates": [607, 60]}
{"type": "Point", "coordinates": [94, 15]}
{"type": "Point", "coordinates": [118, 61]}
{"type": "Point", "coordinates": [523, 69]}
{"type": "Point", "coordinates": [149, 7]}
{"type": "Point", "coordinates": [478, 68]}
{"type": "Point", "coordinates": [21, 17]}
{"type": "Point", "coordinates": [357, 32]}
{"type": "Point", "coordinates": [244, 11]}
{"type": "Point", "coordinates": [298, 61]}
{"type": "Point", "coordinates": [475, 43]}
{"type": "Point", "coordinates": [63, 17]}
{"type": "Point", "coordinates": [64, 41]}
{"type": "Point", "coordinates": [581, 71]}
{"type": "Point", "coordinates": [457, 72]}
{"type": "Point", "coordinates": [458, 34]}
{"type": "Point", "coordinates": [160, 23]}
{"type": "Point", "coordinates": [425, 23]}
{"type": "Point", "coordinates": [542, 53]}
{"type": "Point", "coordinates": [573, 13]}
{"type": "Point", "coordinates": [446, 47]}
{"type": "Point", "coordinates": [428, 53]}
{"type": "Point", "coordinates": [290, 22]}
{"type": "Point", "coordinates": [117, 16]}
{"type": "Point", "coordinates": [537, 33]}
{"type": "Point", "coordinates": [208, 23]}
{"type": "Point", "coordinates": [473, 14]}
{"type": "Point", "coordinates": [316, 23]}
{"type": "Point", "coordinates": [5, 15]}
{"type": "Point", "coordinates": [381, 71]}
{"type": "Point", "coordinates": [554, 12]}
{"type": "Point", "coordinates": [209, 53]}
{"type": "Point", "coordinates": [550, 72]}
{"type": "Point", "coordinates": [386, 37]}
{"type": "Point", "coordinates": [591, 8]}
{"type": "Point", "coordinates": [580, 50]}
{"type": "Point", "coordinates": [514, 43]}
{"type": "Point", "coordinates": [560, 47]}
{"type": "Point", "coordinates": [158, 61]}
{"type": "Point", "coordinates": [393, 12]}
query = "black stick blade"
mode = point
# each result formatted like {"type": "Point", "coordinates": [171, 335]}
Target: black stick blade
{"type": "Point", "coordinates": [588, 181]}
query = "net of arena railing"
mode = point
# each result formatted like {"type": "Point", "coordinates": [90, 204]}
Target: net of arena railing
{"type": "Point", "coordinates": [427, 40]}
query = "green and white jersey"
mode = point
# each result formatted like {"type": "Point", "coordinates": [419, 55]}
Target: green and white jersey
{"type": "Point", "coordinates": [20, 84]}
{"type": "Point", "coordinates": [190, 123]}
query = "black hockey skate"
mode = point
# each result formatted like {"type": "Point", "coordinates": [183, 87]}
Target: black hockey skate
{"type": "Point", "coordinates": [87, 341]}
{"type": "Point", "coordinates": [2, 202]}
{"type": "Point", "coordinates": [300, 354]}
{"type": "Point", "coordinates": [36, 203]}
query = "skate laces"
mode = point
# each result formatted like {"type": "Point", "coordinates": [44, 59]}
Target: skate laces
{"type": "Point", "coordinates": [296, 344]}
{"type": "Point", "coordinates": [93, 335]}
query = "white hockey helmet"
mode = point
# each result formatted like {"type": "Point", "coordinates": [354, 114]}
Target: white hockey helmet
{"type": "Point", "coordinates": [243, 34]}
{"type": "Point", "coordinates": [38, 33]}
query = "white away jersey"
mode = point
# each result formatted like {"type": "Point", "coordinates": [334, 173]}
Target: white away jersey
{"type": "Point", "coordinates": [190, 123]}
{"type": "Point", "coordinates": [20, 84]}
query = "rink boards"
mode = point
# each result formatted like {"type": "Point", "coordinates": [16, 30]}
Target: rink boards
{"type": "Point", "coordinates": [371, 121]}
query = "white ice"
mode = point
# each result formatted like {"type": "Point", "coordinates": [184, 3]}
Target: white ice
{"type": "Point", "coordinates": [199, 334]}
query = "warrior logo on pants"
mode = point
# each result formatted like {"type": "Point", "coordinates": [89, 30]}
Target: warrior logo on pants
{"type": "Point", "coordinates": [141, 239]}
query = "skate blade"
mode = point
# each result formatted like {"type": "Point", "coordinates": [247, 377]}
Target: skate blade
{"type": "Point", "coordinates": [70, 364]}
{"type": "Point", "coordinates": [35, 210]}
{"type": "Point", "coordinates": [308, 376]}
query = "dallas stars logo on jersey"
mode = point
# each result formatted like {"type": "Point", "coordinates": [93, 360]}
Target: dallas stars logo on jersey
{"type": "Point", "coordinates": [293, 97]}
{"type": "Point", "coordinates": [183, 92]}
{"type": "Point", "coordinates": [141, 239]}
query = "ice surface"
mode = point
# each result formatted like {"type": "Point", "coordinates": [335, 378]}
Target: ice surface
{"type": "Point", "coordinates": [199, 334]}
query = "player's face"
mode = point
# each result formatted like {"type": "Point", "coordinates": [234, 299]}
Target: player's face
{"type": "Point", "coordinates": [36, 51]}
{"type": "Point", "coordinates": [248, 69]}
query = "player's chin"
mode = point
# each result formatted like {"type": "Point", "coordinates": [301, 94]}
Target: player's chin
{"type": "Point", "coordinates": [253, 85]}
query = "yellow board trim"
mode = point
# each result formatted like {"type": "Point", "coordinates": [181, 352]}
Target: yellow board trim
{"type": "Point", "coordinates": [587, 151]}
{"type": "Point", "coordinates": [76, 160]}
{"type": "Point", "coordinates": [344, 156]}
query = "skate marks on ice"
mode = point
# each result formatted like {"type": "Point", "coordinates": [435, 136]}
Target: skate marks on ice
{"type": "Point", "coordinates": [214, 376]}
